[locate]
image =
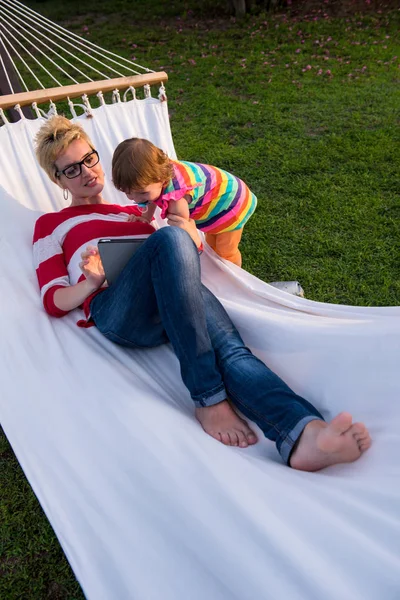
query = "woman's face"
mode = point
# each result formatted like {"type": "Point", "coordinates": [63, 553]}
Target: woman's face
{"type": "Point", "coordinates": [90, 181]}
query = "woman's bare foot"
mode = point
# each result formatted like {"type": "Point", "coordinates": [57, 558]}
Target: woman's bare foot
{"type": "Point", "coordinates": [323, 444]}
{"type": "Point", "coordinates": [222, 423]}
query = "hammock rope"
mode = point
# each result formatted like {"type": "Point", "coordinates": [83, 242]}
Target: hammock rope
{"type": "Point", "coordinates": [37, 32]}
{"type": "Point", "coordinates": [27, 48]}
{"type": "Point", "coordinates": [16, 68]}
{"type": "Point", "coordinates": [29, 53]}
{"type": "Point", "coordinates": [4, 67]}
{"type": "Point", "coordinates": [53, 28]}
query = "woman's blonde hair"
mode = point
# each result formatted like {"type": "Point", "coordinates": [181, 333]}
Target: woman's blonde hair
{"type": "Point", "coordinates": [137, 163]}
{"type": "Point", "coordinates": [53, 138]}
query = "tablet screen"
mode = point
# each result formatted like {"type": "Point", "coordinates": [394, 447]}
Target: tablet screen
{"type": "Point", "coordinates": [116, 253]}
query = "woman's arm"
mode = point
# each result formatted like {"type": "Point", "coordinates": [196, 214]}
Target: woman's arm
{"type": "Point", "coordinates": [72, 296]}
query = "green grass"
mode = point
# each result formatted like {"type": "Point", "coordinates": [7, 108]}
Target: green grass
{"type": "Point", "coordinates": [321, 152]}
{"type": "Point", "coordinates": [32, 564]}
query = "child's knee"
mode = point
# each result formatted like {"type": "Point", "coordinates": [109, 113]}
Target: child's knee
{"type": "Point", "coordinates": [226, 245]}
{"type": "Point", "coordinates": [235, 257]}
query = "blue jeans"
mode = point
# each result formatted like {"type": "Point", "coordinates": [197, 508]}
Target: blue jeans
{"type": "Point", "coordinates": [159, 298]}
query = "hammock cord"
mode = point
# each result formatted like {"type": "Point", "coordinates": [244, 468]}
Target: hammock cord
{"type": "Point", "coordinates": [31, 41]}
{"type": "Point", "coordinates": [36, 32]}
{"type": "Point", "coordinates": [4, 67]}
{"type": "Point", "coordinates": [23, 62]}
{"type": "Point", "coordinates": [37, 49]}
{"type": "Point", "coordinates": [77, 58]}
{"type": "Point", "coordinates": [3, 116]}
{"type": "Point", "coordinates": [48, 26]}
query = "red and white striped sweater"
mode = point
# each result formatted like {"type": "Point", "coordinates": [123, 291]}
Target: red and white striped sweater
{"type": "Point", "coordinates": [59, 238]}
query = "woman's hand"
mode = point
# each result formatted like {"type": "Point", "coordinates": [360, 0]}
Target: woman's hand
{"type": "Point", "coordinates": [187, 224]}
{"type": "Point", "coordinates": [71, 296]}
{"type": "Point", "coordinates": [92, 267]}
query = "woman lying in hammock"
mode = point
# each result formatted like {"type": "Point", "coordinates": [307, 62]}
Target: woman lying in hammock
{"type": "Point", "coordinates": [159, 298]}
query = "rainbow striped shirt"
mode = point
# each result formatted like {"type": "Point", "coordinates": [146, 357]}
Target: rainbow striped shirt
{"type": "Point", "coordinates": [220, 201]}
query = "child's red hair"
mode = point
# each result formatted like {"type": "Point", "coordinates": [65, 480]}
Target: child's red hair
{"type": "Point", "coordinates": [137, 163]}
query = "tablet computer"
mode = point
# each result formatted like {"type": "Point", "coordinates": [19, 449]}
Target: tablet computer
{"type": "Point", "coordinates": [116, 252]}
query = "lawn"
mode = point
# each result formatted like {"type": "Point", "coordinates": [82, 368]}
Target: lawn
{"type": "Point", "coordinates": [305, 109]}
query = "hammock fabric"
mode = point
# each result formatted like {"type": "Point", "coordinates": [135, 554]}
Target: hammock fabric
{"type": "Point", "coordinates": [144, 503]}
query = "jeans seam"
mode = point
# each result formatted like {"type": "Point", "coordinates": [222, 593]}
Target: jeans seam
{"type": "Point", "coordinates": [213, 392]}
{"type": "Point", "coordinates": [129, 342]}
{"type": "Point", "coordinates": [292, 426]}
{"type": "Point", "coordinates": [98, 310]}
{"type": "Point", "coordinates": [162, 300]}
{"type": "Point", "coordinates": [259, 415]}
{"type": "Point", "coordinates": [159, 299]}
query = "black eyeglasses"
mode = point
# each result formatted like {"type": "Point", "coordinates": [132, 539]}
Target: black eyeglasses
{"type": "Point", "coordinates": [75, 169]}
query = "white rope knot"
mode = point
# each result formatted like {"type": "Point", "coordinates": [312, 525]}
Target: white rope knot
{"type": "Point", "coordinates": [101, 98]}
{"type": "Point", "coordinates": [71, 108]}
{"type": "Point", "coordinates": [42, 113]}
{"type": "Point", "coordinates": [52, 110]}
{"type": "Point", "coordinates": [18, 108]}
{"type": "Point", "coordinates": [116, 97]}
{"type": "Point", "coordinates": [147, 91]}
{"type": "Point", "coordinates": [88, 108]}
{"type": "Point", "coordinates": [162, 93]}
{"type": "Point", "coordinates": [132, 90]}
{"type": "Point", "coordinates": [36, 109]}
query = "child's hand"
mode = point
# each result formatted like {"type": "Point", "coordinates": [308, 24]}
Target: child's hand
{"type": "Point", "coordinates": [187, 224]}
{"type": "Point", "coordinates": [141, 219]}
{"type": "Point", "coordinates": [147, 214]}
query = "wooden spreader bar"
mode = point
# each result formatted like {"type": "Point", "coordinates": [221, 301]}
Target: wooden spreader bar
{"type": "Point", "coordinates": [73, 91]}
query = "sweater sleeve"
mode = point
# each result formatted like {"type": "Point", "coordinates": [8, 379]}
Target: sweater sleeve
{"type": "Point", "coordinates": [51, 270]}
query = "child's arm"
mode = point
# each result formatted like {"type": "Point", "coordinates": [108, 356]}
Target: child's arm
{"type": "Point", "coordinates": [188, 225]}
{"type": "Point", "coordinates": [179, 207]}
{"type": "Point", "coordinates": [146, 216]}
{"type": "Point", "coordinates": [149, 213]}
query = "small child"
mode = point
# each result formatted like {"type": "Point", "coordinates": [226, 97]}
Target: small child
{"type": "Point", "coordinates": [217, 201]}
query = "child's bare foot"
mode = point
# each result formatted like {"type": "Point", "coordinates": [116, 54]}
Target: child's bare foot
{"type": "Point", "coordinates": [323, 444]}
{"type": "Point", "coordinates": [222, 423]}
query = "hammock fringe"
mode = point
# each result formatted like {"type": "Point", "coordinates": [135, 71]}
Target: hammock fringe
{"type": "Point", "coordinates": [89, 88]}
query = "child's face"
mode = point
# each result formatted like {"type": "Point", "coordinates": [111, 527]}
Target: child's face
{"type": "Point", "coordinates": [150, 193]}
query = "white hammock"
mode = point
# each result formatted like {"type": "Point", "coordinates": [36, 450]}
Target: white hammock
{"type": "Point", "coordinates": [144, 503]}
